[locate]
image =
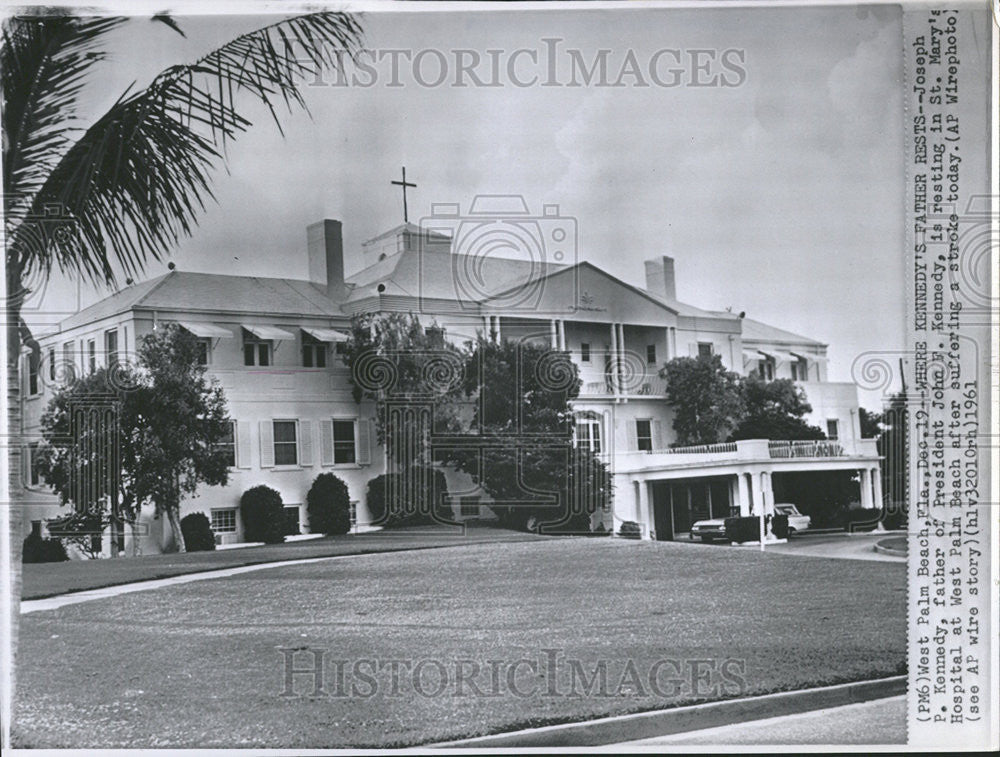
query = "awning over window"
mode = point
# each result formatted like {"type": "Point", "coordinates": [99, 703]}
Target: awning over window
{"type": "Point", "coordinates": [813, 358]}
{"type": "Point", "coordinates": [751, 356]}
{"type": "Point", "coordinates": [326, 335]}
{"type": "Point", "coordinates": [269, 333]}
{"type": "Point", "coordinates": [206, 330]}
{"type": "Point", "coordinates": [781, 357]}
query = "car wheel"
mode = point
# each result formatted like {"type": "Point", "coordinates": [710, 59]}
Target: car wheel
{"type": "Point", "coordinates": [791, 530]}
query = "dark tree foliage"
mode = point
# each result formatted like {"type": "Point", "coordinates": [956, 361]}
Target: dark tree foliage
{"type": "Point", "coordinates": [773, 410]}
{"type": "Point", "coordinates": [329, 505]}
{"type": "Point", "coordinates": [263, 515]}
{"type": "Point", "coordinates": [705, 398]}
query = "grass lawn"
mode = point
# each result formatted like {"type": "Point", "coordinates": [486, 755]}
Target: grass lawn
{"type": "Point", "coordinates": [198, 664]}
{"type": "Point", "coordinates": [48, 579]}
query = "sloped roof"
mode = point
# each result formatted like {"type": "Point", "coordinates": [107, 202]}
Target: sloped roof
{"type": "Point", "coordinates": [438, 274]}
{"type": "Point", "coordinates": [756, 331]}
{"type": "Point", "coordinates": [183, 290]}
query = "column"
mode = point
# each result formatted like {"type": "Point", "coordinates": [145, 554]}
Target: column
{"type": "Point", "coordinates": [486, 327]}
{"type": "Point", "coordinates": [614, 359]}
{"type": "Point", "coordinates": [618, 364]}
{"type": "Point", "coordinates": [756, 494]}
{"type": "Point", "coordinates": [666, 345]}
{"type": "Point", "coordinates": [866, 488]}
{"type": "Point", "coordinates": [743, 494]}
{"type": "Point", "coordinates": [877, 486]}
{"type": "Point", "coordinates": [644, 516]}
{"type": "Point", "coordinates": [553, 334]}
{"type": "Point", "coordinates": [497, 328]}
{"type": "Point", "coordinates": [562, 334]}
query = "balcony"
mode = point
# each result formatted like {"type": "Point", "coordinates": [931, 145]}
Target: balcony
{"type": "Point", "coordinates": [638, 385]}
{"type": "Point", "coordinates": [746, 451]}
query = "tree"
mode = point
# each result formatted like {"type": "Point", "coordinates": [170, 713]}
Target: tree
{"type": "Point", "coordinates": [705, 398]}
{"type": "Point", "coordinates": [168, 423]}
{"type": "Point", "coordinates": [773, 410]}
{"type": "Point", "coordinates": [130, 185]}
{"type": "Point", "coordinates": [520, 442]}
{"type": "Point", "coordinates": [871, 423]}
{"type": "Point", "coordinates": [395, 361]}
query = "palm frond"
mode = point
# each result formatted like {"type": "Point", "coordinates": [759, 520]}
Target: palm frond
{"type": "Point", "coordinates": [137, 179]}
{"type": "Point", "coordinates": [44, 61]}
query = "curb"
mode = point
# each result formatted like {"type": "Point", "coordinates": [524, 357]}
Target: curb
{"type": "Point", "coordinates": [644, 725]}
{"type": "Point", "coordinates": [891, 551]}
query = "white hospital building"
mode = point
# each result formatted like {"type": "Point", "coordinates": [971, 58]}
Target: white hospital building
{"type": "Point", "coordinates": [272, 344]}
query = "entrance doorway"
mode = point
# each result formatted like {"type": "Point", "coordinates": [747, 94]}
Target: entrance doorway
{"type": "Point", "coordinates": [679, 503]}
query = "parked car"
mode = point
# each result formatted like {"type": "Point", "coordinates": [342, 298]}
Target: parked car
{"type": "Point", "coordinates": [708, 530]}
{"type": "Point", "coordinates": [796, 520]}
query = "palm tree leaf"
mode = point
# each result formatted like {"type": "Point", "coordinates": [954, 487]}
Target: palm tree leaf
{"type": "Point", "coordinates": [136, 181]}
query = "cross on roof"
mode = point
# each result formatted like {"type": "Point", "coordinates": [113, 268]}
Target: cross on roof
{"type": "Point", "coordinates": [404, 184]}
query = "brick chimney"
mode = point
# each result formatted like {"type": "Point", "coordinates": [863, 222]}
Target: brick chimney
{"type": "Point", "coordinates": [325, 243]}
{"type": "Point", "coordinates": [660, 277]}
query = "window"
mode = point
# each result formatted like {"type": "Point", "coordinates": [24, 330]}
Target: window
{"type": "Point", "coordinates": [353, 510]}
{"type": "Point", "coordinates": [111, 346]}
{"type": "Point", "coordinates": [291, 520]}
{"type": "Point", "coordinates": [651, 354]}
{"type": "Point", "coordinates": [644, 434]}
{"type": "Point", "coordinates": [588, 434]}
{"type": "Point", "coordinates": [68, 349]}
{"type": "Point", "coordinates": [52, 364]}
{"type": "Point", "coordinates": [343, 443]}
{"type": "Point", "coordinates": [91, 355]}
{"type": "Point", "coordinates": [256, 352]}
{"type": "Point", "coordinates": [584, 352]}
{"type": "Point", "coordinates": [34, 477]}
{"type": "Point", "coordinates": [31, 359]}
{"type": "Point", "coordinates": [765, 368]}
{"type": "Point", "coordinates": [833, 428]}
{"type": "Point", "coordinates": [204, 348]}
{"type": "Point", "coordinates": [228, 445]}
{"type": "Point", "coordinates": [800, 370]}
{"type": "Point", "coordinates": [313, 352]}
{"type": "Point", "coordinates": [705, 349]}
{"type": "Point", "coordinates": [224, 520]}
{"type": "Point", "coordinates": [285, 443]}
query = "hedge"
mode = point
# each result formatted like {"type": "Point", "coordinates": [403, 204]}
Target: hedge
{"type": "Point", "coordinates": [197, 532]}
{"type": "Point", "coordinates": [419, 496]}
{"type": "Point", "coordinates": [329, 505]}
{"type": "Point", "coordinates": [746, 528]}
{"type": "Point", "coordinates": [629, 529]}
{"type": "Point", "coordinates": [263, 515]}
{"type": "Point", "coordinates": [862, 519]}
{"type": "Point", "coordinates": [779, 526]}
{"type": "Point", "coordinates": [36, 549]}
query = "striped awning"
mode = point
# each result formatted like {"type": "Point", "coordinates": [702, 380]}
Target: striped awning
{"type": "Point", "coordinates": [781, 357]}
{"type": "Point", "coordinates": [206, 330]}
{"type": "Point", "coordinates": [751, 356]}
{"type": "Point", "coordinates": [326, 335]}
{"type": "Point", "coordinates": [269, 333]}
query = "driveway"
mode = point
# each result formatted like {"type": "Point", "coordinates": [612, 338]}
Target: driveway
{"type": "Point", "coordinates": [841, 546]}
{"type": "Point", "coordinates": [882, 721]}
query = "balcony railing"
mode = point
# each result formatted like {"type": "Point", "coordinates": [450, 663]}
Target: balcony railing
{"type": "Point", "coordinates": [702, 449]}
{"type": "Point", "coordinates": [641, 386]}
{"type": "Point", "coordinates": [824, 448]}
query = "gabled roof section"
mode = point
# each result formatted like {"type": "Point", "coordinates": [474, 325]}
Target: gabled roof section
{"type": "Point", "coordinates": [183, 290]}
{"type": "Point", "coordinates": [757, 331]}
{"type": "Point", "coordinates": [436, 274]}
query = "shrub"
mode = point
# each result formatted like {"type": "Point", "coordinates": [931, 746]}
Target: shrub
{"type": "Point", "coordinates": [263, 515]}
{"type": "Point", "coordinates": [746, 528]}
{"type": "Point", "coordinates": [779, 526]}
{"type": "Point", "coordinates": [418, 496]}
{"type": "Point", "coordinates": [197, 532]}
{"type": "Point", "coordinates": [629, 529]}
{"type": "Point", "coordinates": [894, 516]}
{"type": "Point", "coordinates": [36, 549]}
{"type": "Point", "coordinates": [329, 505]}
{"type": "Point", "coordinates": [862, 519]}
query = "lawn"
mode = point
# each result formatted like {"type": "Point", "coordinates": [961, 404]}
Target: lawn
{"type": "Point", "coordinates": [48, 579]}
{"type": "Point", "coordinates": [199, 664]}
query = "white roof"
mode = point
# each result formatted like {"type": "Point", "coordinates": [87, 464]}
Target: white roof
{"type": "Point", "coordinates": [326, 335]}
{"type": "Point", "coordinates": [269, 333]}
{"type": "Point", "coordinates": [206, 330]}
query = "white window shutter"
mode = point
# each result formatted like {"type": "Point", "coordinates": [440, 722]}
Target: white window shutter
{"type": "Point", "coordinates": [326, 442]}
{"type": "Point", "coordinates": [632, 437]}
{"type": "Point", "coordinates": [242, 444]}
{"type": "Point", "coordinates": [364, 452]}
{"type": "Point", "coordinates": [266, 444]}
{"type": "Point", "coordinates": [305, 443]}
{"type": "Point", "coordinates": [693, 349]}
{"type": "Point", "coordinates": [658, 442]}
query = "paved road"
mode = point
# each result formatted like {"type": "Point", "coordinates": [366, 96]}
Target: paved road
{"type": "Point", "coordinates": [839, 545]}
{"type": "Point", "coordinates": [882, 721]}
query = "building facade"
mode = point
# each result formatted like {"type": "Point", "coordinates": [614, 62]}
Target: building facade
{"type": "Point", "coordinates": [273, 345]}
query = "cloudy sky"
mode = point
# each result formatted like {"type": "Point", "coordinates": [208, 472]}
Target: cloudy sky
{"type": "Point", "coordinates": [781, 196]}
